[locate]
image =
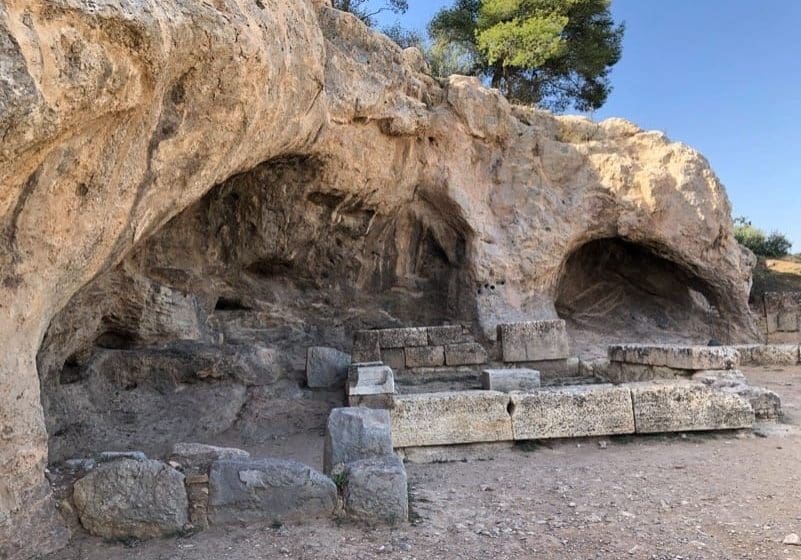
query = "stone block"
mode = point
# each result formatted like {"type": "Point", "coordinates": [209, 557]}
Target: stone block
{"type": "Point", "coordinates": [507, 380]}
{"type": "Point", "coordinates": [788, 321]}
{"type": "Point", "coordinates": [675, 357]}
{"type": "Point", "coordinates": [366, 347]}
{"type": "Point", "coordinates": [402, 338]}
{"type": "Point", "coordinates": [326, 367]}
{"type": "Point", "coordinates": [620, 372]}
{"type": "Point", "coordinates": [440, 336]}
{"type": "Point", "coordinates": [573, 411]}
{"type": "Point", "coordinates": [769, 354]}
{"type": "Point", "coordinates": [353, 434]}
{"type": "Point", "coordinates": [772, 322]}
{"type": "Point", "coordinates": [687, 406]}
{"type": "Point", "coordinates": [534, 341]}
{"type": "Point", "coordinates": [394, 358]}
{"type": "Point", "coordinates": [371, 379]}
{"type": "Point", "coordinates": [449, 418]}
{"type": "Point", "coordinates": [568, 367]}
{"type": "Point", "coordinates": [425, 356]}
{"type": "Point", "coordinates": [272, 490]}
{"type": "Point", "coordinates": [455, 453]}
{"type": "Point", "coordinates": [465, 354]}
{"type": "Point", "coordinates": [197, 457]}
{"type": "Point", "coordinates": [128, 498]}
{"type": "Point", "coordinates": [376, 490]}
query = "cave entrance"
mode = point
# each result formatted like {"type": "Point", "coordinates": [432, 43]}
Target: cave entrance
{"type": "Point", "coordinates": [613, 290]}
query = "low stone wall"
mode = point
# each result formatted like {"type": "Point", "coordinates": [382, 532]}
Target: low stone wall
{"type": "Point", "coordinates": [782, 316]}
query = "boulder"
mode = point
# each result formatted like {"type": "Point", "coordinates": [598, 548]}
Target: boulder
{"type": "Point", "coordinates": [273, 490]}
{"type": "Point", "coordinates": [376, 490]}
{"type": "Point", "coordinates": [127, 498]}
{"type": "Point", "coordinates": [353, 434]}
{"type": "Point", "coordinates": [326, 367]}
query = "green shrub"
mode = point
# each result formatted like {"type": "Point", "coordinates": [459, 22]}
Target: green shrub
{"type": "Point", "coordinates": [775, 245]}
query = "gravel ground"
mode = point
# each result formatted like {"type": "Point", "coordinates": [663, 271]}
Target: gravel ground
{"type": "Point", "coordinates": [722, 496]}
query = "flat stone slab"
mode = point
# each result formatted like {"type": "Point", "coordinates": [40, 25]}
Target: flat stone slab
{"type": "Point", "coordinates": [448, 418]}
{"type": "Point", "coordinates": [687, 406]}
{"type": "Point", "coordinates": [534, 341]}
{"type": "Point", "coordinates": [575, 411]}
{"type": "Point", "coordinates": [326, 367]}
{"type": "Point", "coordinates": [376, 490]}
{"type": "Point", "coordinates": [198, 457]}
{"type": "Point", "coordinates": [769, 354]}
{"type": "Point", "coordinates": [507, 380]}
{"type": "Point", "coordinates": [353, 434]}
{"type": "Point", "coordinates": [272, 490]}
{"type": "Point", "coordinates": [675, 357]}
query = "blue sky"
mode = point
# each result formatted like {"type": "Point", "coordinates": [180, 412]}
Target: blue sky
{"type": "Point", "coordinates": [723, 77]}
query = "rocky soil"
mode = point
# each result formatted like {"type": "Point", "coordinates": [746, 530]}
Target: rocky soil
{"type": "Point", "coordinates": [698, 496]}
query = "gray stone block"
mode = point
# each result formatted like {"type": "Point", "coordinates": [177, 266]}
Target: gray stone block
{"type": "Point", "coordinates": [268, 490]}
{"type": "Point", "coordinates": [353, 434]}
{"type": "Point", "coordinates": [129, 498]}
{"type": "Point", "coordinates": [377, 491]}
{"type": "Point", "coordinates": [440, 336]}
{"type": "Point", "coordinates": [425, 356]}
{"type": "Point", "coordinates": [506, 380]}
{"type": "Point", "coordinates": [449, 418]}
{"type": "Point", "coordinates": [326, 367]}
{"type": "Point", "coordinates": [675, 357]}
{"type": "Point", "coordinates": [465, 354]}
{"type": "Point", "coordinates": [197, 457]}
{"type": "Point", "coordinates": [687, 406]}
{"type": "Point", "coordinates": [769, 354]}
{"type": "Point", "coordinates": [371, 379]}
{"type": "Point", "coordinates": [575, 411]}
{"type": "Point", "coordinates": [534, 341]}
{"type": "Point", "coordinates": [366, 347]}
{"type": "Point", "coordinates": [787, 321]}
{"type": "Point", "coordinates": [402, 338]}
{"type": "Point", "coordinates": [394, 358]}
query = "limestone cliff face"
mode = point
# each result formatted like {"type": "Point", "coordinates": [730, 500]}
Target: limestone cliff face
{"type": "Point", "coordinates": [116, 116]}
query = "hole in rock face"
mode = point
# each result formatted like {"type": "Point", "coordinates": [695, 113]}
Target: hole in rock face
{"type": "Point", "coordinates": [612, 290]}
{"type": "Point", "coordinates": [201, 334]}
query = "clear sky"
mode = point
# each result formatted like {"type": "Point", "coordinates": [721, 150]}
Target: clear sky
{"type": "Point", "coordinates": [721, 76]}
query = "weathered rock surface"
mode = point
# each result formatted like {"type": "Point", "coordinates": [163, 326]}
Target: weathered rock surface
{"type": "Point", "coordinates": [353, 434]}
{"type": "Point", "coordinates": [268, 490]}
{"type": "Point", "coordinates": [127, 498]}
{"type": "Point", "coordinates": [326, 367]}
{"type": "Point", "coordinates": [342, 155]}
{"type": "Point", "coordinates": [376, 490]}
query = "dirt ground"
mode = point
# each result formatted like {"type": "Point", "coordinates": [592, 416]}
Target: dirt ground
{"type": "Point", "coordinates": [694, 496]}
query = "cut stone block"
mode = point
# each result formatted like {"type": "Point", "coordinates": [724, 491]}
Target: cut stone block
{"type": "Point", "coordinates": [197, 457]}
{"type": "Point", "coordinates": [507, 380]}
{"type": "Point", "coordinates": [619, 372]}
{"type": "Point", "coordinates": [440, 336]}
{"type": "Point", "coordinates": [687, 406]}
{"type": "Point", "coordinates": [767, 405]}
{"type": "Point", "coordinates": [425, 356]}
{"type": "Point", "coordinates": [376, 490]}
{"type": "Point", "coordinates": [268, 490]}
{"type": "Point", "coordinates": [326, 367]}
{"type": "Point", "coordinates": [455, 453]}
{"type": "Point", "coordinates": [394, 358]}
{"type": "Point", "coordinates": [128, 498]}
{"type": "Point", "coordinates": [769, 354]}
{"type": "Point", "coordinates": [402, 338]}
{"type": "Point", "coordinates": [371, 385]}
{"type": "Point", "coordinates": [449, 418]}
{"type": "Point", "coordinates": [366, 347]}
{"type": "Point", "coordinates": [534, 341]}
{"type": "Point", "coordinates": [576, 411]}
{"type": "Point", "coordinates": [675, 357]}
{"type": "Point", "coordinates": [568, 367]}
{"type": "Point", "coordinates": [353, 434]}
{"type": "Point", "coordinates": [788, 321]}
{"type": "Point", "coordinates": [465, 354]}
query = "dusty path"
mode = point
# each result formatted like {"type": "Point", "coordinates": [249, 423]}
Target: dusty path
{"type": "Point", "coordinates": [722, 496]}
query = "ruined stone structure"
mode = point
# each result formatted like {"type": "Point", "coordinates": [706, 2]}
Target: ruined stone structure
{"type": "Point", "coordinates": [193, 193]}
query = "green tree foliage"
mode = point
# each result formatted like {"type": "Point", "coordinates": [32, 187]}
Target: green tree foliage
{"type": "Point", "coordinates": [554, 53]}
{"type": "Point", "coordinates": [367, 12]}
{"type": "Point", "coordinates": [775, 245]}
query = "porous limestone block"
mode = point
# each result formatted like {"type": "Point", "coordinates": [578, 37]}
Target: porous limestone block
{"type": "Point", "coordinates": [465, 354]}
{"type": "Point", "coordinates": [687, 406]}
{"type": "Point", "coordinates": [394, 358]}
{"type": "Point", "coordinates": [534, 341]}
{"type": "Point", "coordinates": [449, 418]}
{"type": "Point", "coordinates": [440, 336]}
{"type": "Point", "coordinates": [366, 347]}
{"type": "Point", "coordinates": [353, 434]}
{"type": "Point", "coordinates": [198, 457]}
{"type": "Point", "coordinates": [620, 372]}
{"type": "Point", "coordinates": [376, 490]}
{"type": "Point", "coordinates": [788, 321]}
{"type": "Point", "coordinates": [371, 379]}
{"type": "Point", "coordinates": [769, 354]}
{"type": "Point", "coordinates": [402, 338]}
{"type": "Point", "coordinates": [425, 356]}
{"type": "Point", "coordinates": [674, 356]}
{"type": "Point", "coordinates": [573, 411]}
{"type": "Point", "coordinates": [326, 367]}
{"type": "Point", "coordinates": [507, 380]}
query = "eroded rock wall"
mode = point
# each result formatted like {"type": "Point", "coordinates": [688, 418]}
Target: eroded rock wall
{"type": "Point", "coordinates": [115, 116]}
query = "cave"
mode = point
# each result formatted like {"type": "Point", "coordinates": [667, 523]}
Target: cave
{"type": "Point", "coordinates": [613, 290]}
{"type": "Point", "coordinates": [201, 333]}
